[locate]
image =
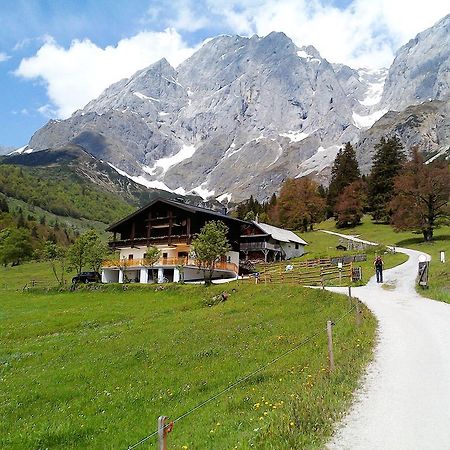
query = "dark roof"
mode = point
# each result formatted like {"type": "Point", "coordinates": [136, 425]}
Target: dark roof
{"type": "Point", "coordinates": [186, 207]}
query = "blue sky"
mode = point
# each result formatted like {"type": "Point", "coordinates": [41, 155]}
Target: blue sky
{"type": "Point", "coordinates": [55, 55]}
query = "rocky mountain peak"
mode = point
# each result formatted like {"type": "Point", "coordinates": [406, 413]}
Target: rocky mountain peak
{"type": "Point", "coordinates": [242, 114]}
{"type": "Point", "coordinates": [421, 69]}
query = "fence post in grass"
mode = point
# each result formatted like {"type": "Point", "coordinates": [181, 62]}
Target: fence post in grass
{"type": "Point", "coordinates": [358, 314]}
{"type": "Point", "coordinates": [163, 430]}
{"type": "Point", "coordinates": [330, 345]}
{"type": "Point", "coordinates": [350, 296]}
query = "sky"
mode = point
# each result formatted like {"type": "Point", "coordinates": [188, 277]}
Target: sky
{"type": "Point", "coordinates": [56, 55]}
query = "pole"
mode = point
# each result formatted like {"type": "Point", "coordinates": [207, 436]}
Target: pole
{"type": "Point", "coordinates": [350, 296]}
{"type": "Point", "coordinates": [163, 431]}
{"type": "Point", "coordinates": [358, 314]}
{"type": "Point", "coordinates": [330, 345]}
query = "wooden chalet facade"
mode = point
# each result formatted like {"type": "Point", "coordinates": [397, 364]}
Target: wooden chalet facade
{"type": "Point", "coordinates": [170, 226]}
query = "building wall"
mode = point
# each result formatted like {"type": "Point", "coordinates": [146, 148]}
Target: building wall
{"type": "Point", "coordinates": [291, 251]}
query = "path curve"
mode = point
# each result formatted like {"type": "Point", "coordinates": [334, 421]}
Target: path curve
{"type": "Point", "coordinates": [404, 402]}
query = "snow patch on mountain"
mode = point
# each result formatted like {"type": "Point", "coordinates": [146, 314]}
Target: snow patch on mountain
{"type": "Point", "coordinates": [141, 180]}
{"type": "Point", "coordinates": [374, 80]}
{"type": "Point", "coordinates": [186, 152]}
{"type": "Point", "coordinates": [367, 121]}
{"type": "Point", "coordinates": [203, 191]}
{"type": "Point", "coordinates": [295, 136]}
{"type": "Point", "coordinates": [22, 150]}
{"type": "Point", "coordinates": [224, 197]}
{"type": "Point", "coordinates": [145, 97]}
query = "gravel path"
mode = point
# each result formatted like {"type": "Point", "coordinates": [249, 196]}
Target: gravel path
{"type": "Point", "coordinates": [404, 402]}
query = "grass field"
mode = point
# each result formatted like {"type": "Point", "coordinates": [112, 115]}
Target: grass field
{"type": "Point", "coordinates": [439, 273]}
{"type": "Point", "coordinates": [92, 369]}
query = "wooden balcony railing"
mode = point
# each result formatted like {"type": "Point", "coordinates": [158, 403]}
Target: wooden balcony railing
{"type": "Point", "coordinates": [259, 246]}
{"type": "Point", "coordinates": [188, 262]}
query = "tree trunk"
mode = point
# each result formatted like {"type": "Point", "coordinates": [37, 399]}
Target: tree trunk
{"type": "Point", "coordinates": [427, 234]}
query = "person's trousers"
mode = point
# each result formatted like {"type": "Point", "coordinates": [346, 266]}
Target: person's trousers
{"type": "Point", "coordinates": [379, 272]}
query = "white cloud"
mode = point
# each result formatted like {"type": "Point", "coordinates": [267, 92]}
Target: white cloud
{"type": "Point", "coordinates": [76, 75]}
{"type": "Point", "coordinates": [3, 57]}
{"type": "Point", "coordinates": [365, 33]}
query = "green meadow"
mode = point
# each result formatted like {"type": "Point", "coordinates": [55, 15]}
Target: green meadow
{"type": "Point", "coordinates": [95, 368]}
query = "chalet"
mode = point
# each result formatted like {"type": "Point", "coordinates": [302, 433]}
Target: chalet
{"type": "Point", "coordinates": [263, 241]}
{"type": "Point", "coordinates": [170, 226]}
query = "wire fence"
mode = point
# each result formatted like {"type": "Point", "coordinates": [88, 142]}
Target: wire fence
{"type": "Point", "coordinates": [245, 378]}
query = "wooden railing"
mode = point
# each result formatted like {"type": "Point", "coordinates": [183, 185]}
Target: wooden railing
{"type": "Point", "coordinates": [259, 246]}
{"type": "Point", "coordinates": [189, 262]}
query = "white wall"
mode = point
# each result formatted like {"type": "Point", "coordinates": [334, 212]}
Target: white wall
{"type": "Point", "coordinates": [291, 251]}
{"type": "Point", "coordinates": [234, 257]}
{"type": "Point", "coordinates": [110, 276]}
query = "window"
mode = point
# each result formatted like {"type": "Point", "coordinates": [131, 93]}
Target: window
{"type": "Point", "coordinates": [296, 246]}
{"type": "Point", "coordinates": [130, 257]}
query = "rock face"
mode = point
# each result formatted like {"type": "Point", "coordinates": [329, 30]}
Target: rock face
{"type": "Point", "coordinates": [242, 114]}
{"type": "Point", "coordinates": [426, 126]}
{"type": "Point", "coordinates": [421, 69]}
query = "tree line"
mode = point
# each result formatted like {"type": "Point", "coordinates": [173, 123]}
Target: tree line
{"type": "Point", "coordinates": [407, 193]}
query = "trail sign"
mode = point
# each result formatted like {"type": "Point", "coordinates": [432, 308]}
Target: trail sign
{"type": "Point", "coordinates": [424, 267]}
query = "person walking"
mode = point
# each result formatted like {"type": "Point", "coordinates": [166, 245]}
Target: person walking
{"type": "Point", "coordinates": [378, 264]}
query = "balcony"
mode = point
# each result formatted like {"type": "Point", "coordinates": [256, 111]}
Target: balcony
{"type": "Point", "coordinates": [157, 240]}
{"type": "Point", "coordinates": [165, 262]}
{"type": "Point", "coordinates": [254, 246]}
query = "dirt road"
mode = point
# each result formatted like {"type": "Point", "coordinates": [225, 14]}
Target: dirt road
{"type": "Point", "coordinates": [404, 402]}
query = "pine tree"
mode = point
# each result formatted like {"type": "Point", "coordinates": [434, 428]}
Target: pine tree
{"type": "Point", "coordinates": [345, 171]}
{"type": "Point", "coordinates": [387, 163]}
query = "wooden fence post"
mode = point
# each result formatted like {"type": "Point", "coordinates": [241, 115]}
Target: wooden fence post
{"type": "Point", "coordinates": [163, 430]}
{"type": "Point", "coordinates": [358, 314]}
{"type": "Point", "coordinates": [350, 296]}
{"type": "Point", "coordinates": [330, 345]}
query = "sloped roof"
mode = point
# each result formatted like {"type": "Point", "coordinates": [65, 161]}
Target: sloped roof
{"type": "Point", "coordinates": [279, 234]}
{"type": "Point", "coordinates": [185, 206]}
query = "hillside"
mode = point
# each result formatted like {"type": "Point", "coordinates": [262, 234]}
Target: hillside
{"type": "Point", "coordinates": [70, 185]}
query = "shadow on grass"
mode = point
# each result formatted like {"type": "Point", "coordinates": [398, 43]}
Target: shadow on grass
{"type": "Point", "coordinates": [419, 240]}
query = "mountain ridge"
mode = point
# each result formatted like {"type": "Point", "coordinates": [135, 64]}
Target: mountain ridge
{"type": "Point", "coordinates": [242, 114]}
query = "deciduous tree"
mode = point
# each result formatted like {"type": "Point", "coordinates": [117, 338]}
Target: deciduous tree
{"type": "Point", "coordinates": [56, 256]}
{"type": "Point", "coordinates": [299, 204]}
{"type": "Point", "coordinates": [209, 246]}
{"type": "Point", "coordinates": [87, 251]}
{"type": "Point", "coordinates": [350, 204]}
{"type": "Point", "coordinates": [421, 196]}
{"type": "Point", "coordinates": [15, 246]}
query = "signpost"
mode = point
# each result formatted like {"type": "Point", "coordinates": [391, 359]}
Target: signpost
{"type": "Point", "coordinates": [424, 267]}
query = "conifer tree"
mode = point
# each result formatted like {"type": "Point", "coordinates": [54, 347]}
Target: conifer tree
{"type": "Point", "coordinates": [345, 171]}
{"type": "Point", "coordinates": [387, 163]}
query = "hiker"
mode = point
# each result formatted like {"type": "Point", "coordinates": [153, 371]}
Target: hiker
{"type": "Point", "coordinates": [378, 264]}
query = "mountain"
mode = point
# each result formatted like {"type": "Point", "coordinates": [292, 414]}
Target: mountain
{"type": "Point", "coordinates": [421, 69]}
{"type": "Point", "coordinates": [242, 114]}
{"type": "Point", "coordinates": [5, 150]}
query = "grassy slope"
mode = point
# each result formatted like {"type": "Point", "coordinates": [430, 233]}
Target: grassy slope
{"type": "Point", "coordinates": [95, 369]}
{"type": "Point", "coordinates": [439, 273]}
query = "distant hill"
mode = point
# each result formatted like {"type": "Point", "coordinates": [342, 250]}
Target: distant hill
{"type": "Point", "coordinates": [69, 182]}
